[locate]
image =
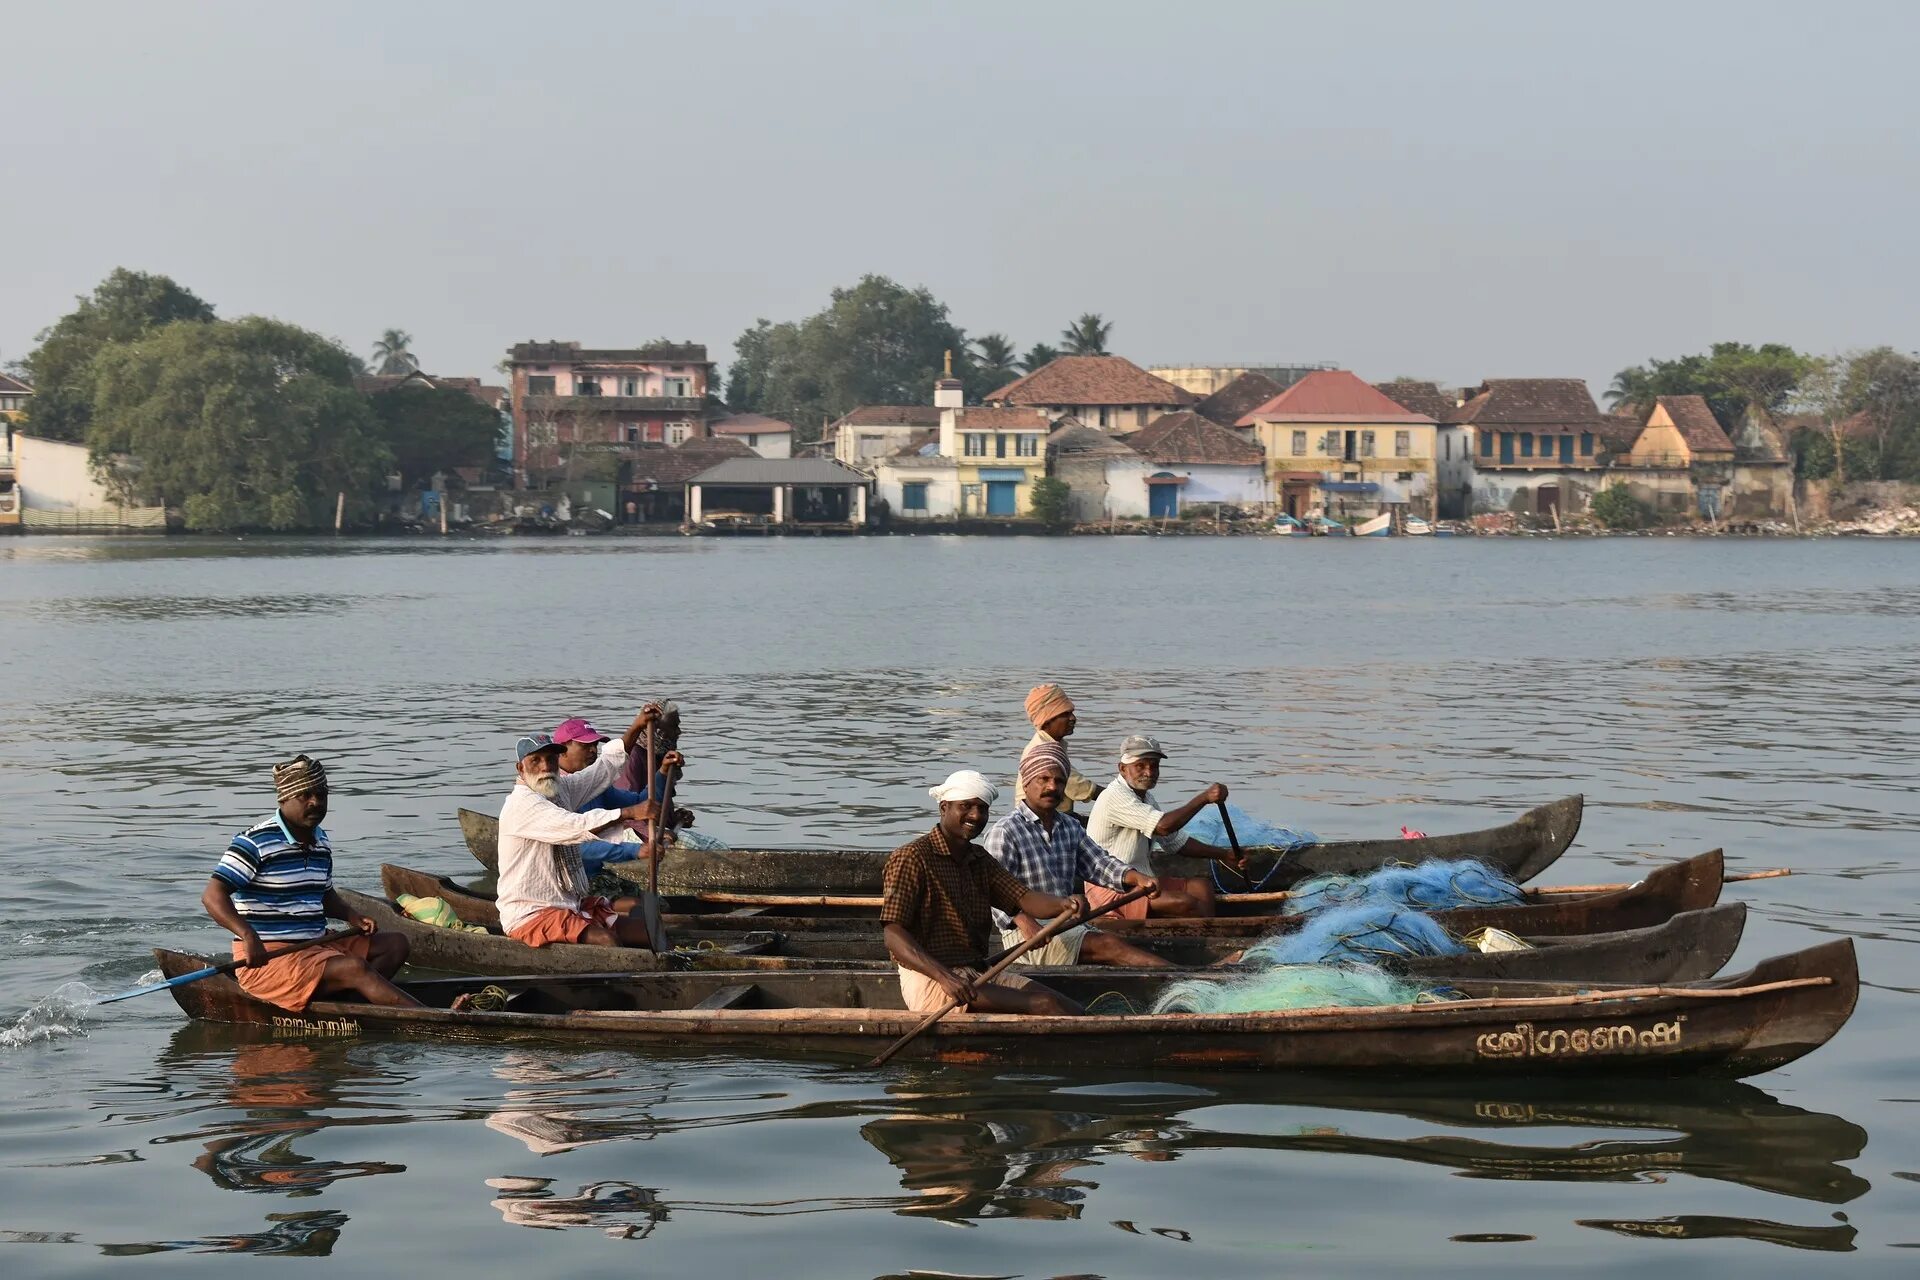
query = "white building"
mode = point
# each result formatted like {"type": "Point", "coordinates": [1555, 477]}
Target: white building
{"type": "Point", "coordinates": [768, 437]}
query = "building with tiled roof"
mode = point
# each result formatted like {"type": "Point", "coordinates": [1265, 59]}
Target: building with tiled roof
{"type": "Point", "coordinates": [862, 436]}
{"type": "Point", "coordinates": [1191, 460]}
{"type": "Point", "coordinates": [653, 477]}
{"type": "Point", "coordinates": [1238, 398]}
{"type": "Point", "coordinates": [1539, 445]}
{"type": "Point", "coordinates": [1337, 446]}
{"type": "Point", "coordinates": [768, 437]}
{"type": "Point", "coordinates": [14, 394]}
{"type": "Point", "coordinates": [1109, 392]}
{"type": "Point", "coordinates": [1421, 397]}
{"type": "Point", "coordinates": [567, 397]}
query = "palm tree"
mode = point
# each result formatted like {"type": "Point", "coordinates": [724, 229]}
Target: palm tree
{"type": "Point", "coordinates": [390, 354]}
{"type": "Point", "coordinates": [1087, 336]}
{"type": "Point", "coordinates": [1632, 390]}
{"type": "Point", "coordinates": [994, 356]}
{"type": "Point", "coordinates": [1038, 356]}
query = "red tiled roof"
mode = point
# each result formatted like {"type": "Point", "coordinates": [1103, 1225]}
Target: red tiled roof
{"type": "Point", "coordinates": [574, 353]}
{"type": "Point", "coordinates": [1331, 395]}
{"type": "Point", "coordinates": [997, 417]}
{"type": "Point", "coordinates": [1238, 398]}
{"type": "Point", "coordinates": [13, 386]}
{"type": "Point", "coordinates": [745, 424]}
{"type": "Point", "coordinates": [1421, 397]}
{"type": "Point", "coordinates": [889, 415]}
{"type": "Point", "coordinates": [677, 464]}
{"type": "Point", "coordinates": [1187, 437]}
{"type": "Point", "coordinates": [1696, 423]}
{"type": "Point", "coordinates": [1090, 380]}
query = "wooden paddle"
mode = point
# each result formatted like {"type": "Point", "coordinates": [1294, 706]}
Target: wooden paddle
{"type": "Point", "coordinates": [1233, 841]}
{"type": "Point", "coordinates": [651, 913]}
{"type": "Point", "coordinates": [228, 967]}
{"type": "Point", "coordinates": [1060, 925]}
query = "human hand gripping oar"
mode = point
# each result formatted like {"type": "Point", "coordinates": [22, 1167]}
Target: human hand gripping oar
{"type": "Point", "coordinates": [228, 967]}
{"type": "Point", "coordinates": [1059, 925]}
{"type": "Point", "coordinates": [651, 911]}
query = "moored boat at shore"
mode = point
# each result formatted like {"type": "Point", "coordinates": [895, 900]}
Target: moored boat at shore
{"type": "Point", "coordinates": [1779, 1011]}
{"type": "Point", "coordinates": [1522, 848]}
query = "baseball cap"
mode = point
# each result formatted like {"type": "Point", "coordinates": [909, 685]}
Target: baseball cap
{"type": "Point", "coordinates": [1139, 747]}
{"type": "Point", "coordinates": [577, 730]}
{"type": "Point", "coordinates": [534, 742]}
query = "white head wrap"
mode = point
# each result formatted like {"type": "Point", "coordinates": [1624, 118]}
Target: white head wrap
{"type": "Point", "coordinates": [965, 784]}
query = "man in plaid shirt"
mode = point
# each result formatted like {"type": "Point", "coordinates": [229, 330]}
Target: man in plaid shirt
{"type": "Point", "coordinates": [1052, 852]}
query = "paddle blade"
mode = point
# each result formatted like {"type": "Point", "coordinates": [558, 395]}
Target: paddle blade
{"type": "Point", "coordinates": [180, 981]}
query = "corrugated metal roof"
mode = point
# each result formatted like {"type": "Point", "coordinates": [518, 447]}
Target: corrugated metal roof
{"type": "Point", "coordinates": [808, 472]}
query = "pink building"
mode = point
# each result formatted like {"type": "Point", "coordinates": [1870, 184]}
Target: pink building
{"type": "Point", "coordinates": [568, 398]}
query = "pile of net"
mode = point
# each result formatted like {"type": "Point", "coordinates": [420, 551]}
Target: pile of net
{"type": "Point", "coordinates": [1433, 885]}
{"type": "Point", "coordinates": [1294, 987]}
{"type": "Point", "coordinates": [1249, 830]}
{"type": "Point", "coordinates": [1365, 933]}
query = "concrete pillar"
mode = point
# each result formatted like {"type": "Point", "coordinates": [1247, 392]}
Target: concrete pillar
{"type": "Point", "coordinates": [693, 504]}
{"type": "Point", "coordinates": [860, 506]}
{"type": "Point", "coordinates": [779, 504]}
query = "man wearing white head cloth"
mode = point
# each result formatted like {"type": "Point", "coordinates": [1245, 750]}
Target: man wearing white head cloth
{"type": "Point", "coordinates": [938, 895]}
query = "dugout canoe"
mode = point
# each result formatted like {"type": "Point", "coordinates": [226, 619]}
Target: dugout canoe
{"type": "Point", "coordinates": [1523, 848]}
{"type": "Point", "coordinates": [1781, 1010]}
{"type": "Point", "coordinates": [1690, 945]}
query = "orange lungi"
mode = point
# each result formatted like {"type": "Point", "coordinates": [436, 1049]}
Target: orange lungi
{"type": "Point", "coordinates": [289, 980]}
{"type": "Point", "coordinates": [1098, 895]}
{"type": "Point", "coordinates": [559, 924]}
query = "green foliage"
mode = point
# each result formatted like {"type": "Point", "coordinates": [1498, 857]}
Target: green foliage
{"type": "Point", "coordinates": [1733, 377]}
{"type": "Point", "coordinates": [429, 429]}
{"type": "Point", "coordinates": [1038, 356]}
{"type": "Point", "coordinates": [1617, 508]}
{"type": "Point", "coordinates": [244, 424]}
{"type": "Point", "coordinates": [1049, 502]}
{"type": "Point", "coordinates": [1086, 336]}
{"type": "Point", "coordinates": [875, 343]}
{"type": "Point", "coordinates": [993, 355]}
{"type": "Point", "coordinates": [127, 305]}
{"type": "Point", "coordinates": [391, 354]}
{"type": "Point", "coordinates": [1814, 457]}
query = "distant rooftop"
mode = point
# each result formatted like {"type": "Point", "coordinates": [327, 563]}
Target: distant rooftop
{"type": "Point", "coordinates": [556, 352]}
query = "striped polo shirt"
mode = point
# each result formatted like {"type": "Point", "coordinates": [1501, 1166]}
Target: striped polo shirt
{"type": "Point", "coordinates": [279, 883]}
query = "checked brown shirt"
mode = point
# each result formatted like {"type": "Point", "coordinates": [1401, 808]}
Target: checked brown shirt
{"type": "Point", "coordinates": [943, 896]}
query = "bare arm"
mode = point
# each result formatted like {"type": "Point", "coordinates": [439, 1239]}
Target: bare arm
{"type": "Point", "coordinates": [218, 902]}
{"type": "Point", "coordinates": [337, 907]}
{"type": "Point", "coordinates": [1174, 819]}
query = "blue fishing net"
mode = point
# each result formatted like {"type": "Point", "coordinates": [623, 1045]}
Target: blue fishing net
{"type": "Point", "coordinates": [1251, 831]}
{"type": "Point", "coordinates": [1364, 933]}
{"type": "Point", "coordinates": [1292, 987]}
{"type": "Point", "coordinates": [1434, 885]}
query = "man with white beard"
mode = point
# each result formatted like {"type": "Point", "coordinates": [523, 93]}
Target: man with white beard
{"type": "Point", "coordinates": [542, 887]}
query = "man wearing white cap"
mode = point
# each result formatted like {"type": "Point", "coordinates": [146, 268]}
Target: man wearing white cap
{"type": "Point", "coordinates": [1129, 824]}
{"type": "Point", "coordinates": [937, 899]}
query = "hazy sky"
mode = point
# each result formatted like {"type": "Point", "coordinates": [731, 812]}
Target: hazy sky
{"type": "Point", "coordinates": [1451, 191]}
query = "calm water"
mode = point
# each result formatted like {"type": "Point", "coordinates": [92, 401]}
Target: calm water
{"type": "Point", "coordinates": [1760, 696]}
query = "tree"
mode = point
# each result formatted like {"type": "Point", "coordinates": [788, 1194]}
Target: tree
{"type": "Point", "coordinates": [126, 306]}
{"type": "Point", "coordinates": [1038, 356]}
{"type": "Point", "coordinates": [1086, 336]}
{"type": "Point", "coordinates": [1617, 508]}
{"type": "Point", "coordinates": [877, 342]}
{"type": "Point", "coordinates": [429, 429]}
{"type": "Point", "coordinates": [390, 353]}
{"type": "Point", "coordinates": [1882, 386]}
{"type": "Point", "coordinates": [244, 424]}
{"type": "Point", "coordinates": [1734, 378]}
{"type": "Point", "coordinates": [1632, 391]}
{"type": "Point", "coordinates": [1050, 502]}
{"type": "Point", "coordinates": [994, 356]}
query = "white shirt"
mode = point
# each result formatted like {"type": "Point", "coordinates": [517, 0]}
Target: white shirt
{"type": "Point", "coordinates": [539, 865]}
{"type": "Point", "coordinates": [1122, 823]}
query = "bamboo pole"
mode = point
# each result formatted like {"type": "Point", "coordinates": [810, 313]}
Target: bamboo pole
{"type": "Point", "coordinates": [339, 511]}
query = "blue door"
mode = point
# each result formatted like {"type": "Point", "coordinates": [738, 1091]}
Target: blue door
{"type": "Point", "coordinates": [1163, 501]}
{"type": "Point", "coordinates": [1506, 446]}
{"type": "Point", "coordinates": [1566, 448]}
{"type": "Point", "coordinates": [1001, 500]}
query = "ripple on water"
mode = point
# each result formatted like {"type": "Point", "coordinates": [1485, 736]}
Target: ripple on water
{"type": "Point", "coordinates": [60, 1016]}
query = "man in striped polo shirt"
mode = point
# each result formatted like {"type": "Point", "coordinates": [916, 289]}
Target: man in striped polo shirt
{"type": "Point", "coordinates": [273, 889]}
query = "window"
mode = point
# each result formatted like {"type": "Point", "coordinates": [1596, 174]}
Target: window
{"type": "Point", "coordinates": [969, 499]}
{"type": "Point", "coordinates": [1526, 444]}
{"type": "Point", "coordinates": [539, 386]}
{"type": "Point", "coordinates": [677, 387]}
{"type": "Point", "coordinates": [974, 444]}
{"type": "Point", "coordinates": [1486, 444]}
{"type": "Point", "coordinates": [1329, 444]}
{"type": "Point", "coordinates": [1404, 475]}
{"type": "Point", "coordinates": [1586, 444]}
{"type": "Point", "coordinates": [913, 495]}
{"type": "Point", "coordinates": [651, 433]}
{"type": "Point", "coordinates": [1000, 444]}
{"type": "Point", "coordinates": [677, 432]}
{"type": "Point", "coordinates": [753, 440]}
{"type": "Point", "coordinates": [1403, 444]}
{"type": "Point", "coordinates": [1299, 444]}
{"type": "Point", "coordinates": [1447, 447]}
{"type": "Point", "coordinates": [586, 386]}
{"type": "Point", "coordinates": [1103, 415]}
{"type": "Point", "coordinates": [629, 386]}
{"type": "Point", "coordinates": [1366, 444]}
{"type": "Point", "coordinates": [1566, 448]}
{"type": "Point", "coordinates": [1140, 416]}
{"type": "Point", "coordinates": [633, 435]}
{"type": "Point", "coordinates": [1027, 444]}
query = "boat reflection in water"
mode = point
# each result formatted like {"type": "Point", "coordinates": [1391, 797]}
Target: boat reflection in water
{"type": "Point", "coordinates": [1835, 1239]}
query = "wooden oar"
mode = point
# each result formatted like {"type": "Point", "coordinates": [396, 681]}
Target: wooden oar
{"type": "Point", "coordinates": [1233, 842]}
{"type": "Point", "coordinates": [651, 913]}
{"type": "Point", "coordinates": [1060, 925]}
{"type": "Point", "coordinates": [228, 967]}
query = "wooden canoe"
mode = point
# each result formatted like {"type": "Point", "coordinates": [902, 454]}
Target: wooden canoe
{"type": "Point", "coordinates": [1689, 945]}
{"type": "Point", "coordinates": [1524, 848]}
{"type": "Point", "coordinates": [1689, 885]}
{"type": "Point", "coordinates": [1781, 1010]}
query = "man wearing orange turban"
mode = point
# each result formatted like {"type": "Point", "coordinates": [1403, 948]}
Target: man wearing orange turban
{"type": "Point", "coordinates": [1051, 711]}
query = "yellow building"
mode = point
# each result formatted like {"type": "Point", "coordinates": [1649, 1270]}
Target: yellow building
{"type": "Point", "coordinates": [998, 453]}
{"type": "Point", "coordinates": [1338, 447]}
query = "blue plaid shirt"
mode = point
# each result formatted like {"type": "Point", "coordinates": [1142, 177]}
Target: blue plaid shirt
{"type": "Point", "coordinates": [1056, 861]}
